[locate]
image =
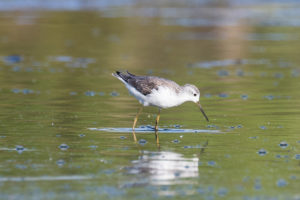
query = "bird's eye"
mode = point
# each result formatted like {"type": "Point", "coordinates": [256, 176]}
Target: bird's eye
{"type": "Point", "coordinates": [195, 94]}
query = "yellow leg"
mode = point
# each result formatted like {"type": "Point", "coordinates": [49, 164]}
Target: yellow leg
{"type": "Point", "coordinates": [156, 127]}
{"type": "Point", "coordinates": [134, 136]}
{"type": "Point", "coordinates": [134, 122]}
{"type": "Point", "coordinates": [157, 120]}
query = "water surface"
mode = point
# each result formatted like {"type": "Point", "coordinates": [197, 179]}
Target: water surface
{"type": "Point", "coordinates": [65, 121]}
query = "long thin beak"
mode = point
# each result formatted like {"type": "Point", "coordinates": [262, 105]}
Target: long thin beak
{"type": "Point", "coordinates": [201, 109]}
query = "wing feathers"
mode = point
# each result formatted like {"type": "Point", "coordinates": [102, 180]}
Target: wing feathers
{"type": "Point", "coordinates": [145, 84]}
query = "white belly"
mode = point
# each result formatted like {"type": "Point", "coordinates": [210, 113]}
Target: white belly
{"type": "Point", "coordinates": [164, 98]}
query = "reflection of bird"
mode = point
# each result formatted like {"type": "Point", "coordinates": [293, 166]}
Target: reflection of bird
{"type": "Point", "coordinates": [165, 168]}
{"type": "Point", "coordinates": [159, 92]}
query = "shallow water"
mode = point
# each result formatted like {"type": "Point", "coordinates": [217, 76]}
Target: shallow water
{"type": "Point", "coordinates": [65, 121]}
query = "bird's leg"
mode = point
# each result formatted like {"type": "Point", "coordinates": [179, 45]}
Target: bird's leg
{"type": "Point", "coordinates": [157, 120]}
{"type": "Point", "coordinates": [134, 137]}
{"type": "Point", "coordinates": [134, 122]}
{"type": "Point", "coordinates": [136, 117]}
{"type": "Point", "coordinates": [156, 127]}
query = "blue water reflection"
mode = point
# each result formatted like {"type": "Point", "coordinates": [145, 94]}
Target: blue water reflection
{"type": "Point", "coordinates": [149, 129]}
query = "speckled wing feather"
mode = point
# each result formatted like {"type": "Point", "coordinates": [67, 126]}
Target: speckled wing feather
{"type": "Point", "coordinates": [143, 84]}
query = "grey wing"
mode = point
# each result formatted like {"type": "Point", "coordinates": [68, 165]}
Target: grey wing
{"type": "Point", "coordinates": [143, 84]}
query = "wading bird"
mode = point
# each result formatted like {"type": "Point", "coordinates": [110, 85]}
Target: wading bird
{"type": "Point", "coordinates": [159, 92]}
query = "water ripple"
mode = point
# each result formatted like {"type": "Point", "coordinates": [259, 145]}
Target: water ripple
{"type": "Point", "coordinates": [147, 129]}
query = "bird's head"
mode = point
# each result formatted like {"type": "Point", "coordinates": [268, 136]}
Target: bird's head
{"type": "Point", "coordinates": [193, 94]}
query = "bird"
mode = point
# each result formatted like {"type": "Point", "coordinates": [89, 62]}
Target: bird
{"type": "Point", "coordinates": [158, 92]}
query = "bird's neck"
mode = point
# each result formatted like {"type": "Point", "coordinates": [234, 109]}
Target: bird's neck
{"type": "Point", "coordinates": [183, 97]}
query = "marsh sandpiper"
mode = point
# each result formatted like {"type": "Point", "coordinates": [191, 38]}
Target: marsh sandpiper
{"type": "Point", "coordinates": [158, 92]}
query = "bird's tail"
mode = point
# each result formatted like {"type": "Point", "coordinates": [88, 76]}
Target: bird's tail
{"type": "Point", "coordinates": [121, 76]}
{"type": "Point", "coordinates": [116, 74]}
{"type": "Point", "coordinates": [125, 77]}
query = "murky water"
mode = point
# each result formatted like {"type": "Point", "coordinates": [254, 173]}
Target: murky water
{"type": "Point", "coordinates": [65, 121]}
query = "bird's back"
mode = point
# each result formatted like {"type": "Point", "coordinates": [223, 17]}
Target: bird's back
{"type": "Point", "coordinates": [146, 84]}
